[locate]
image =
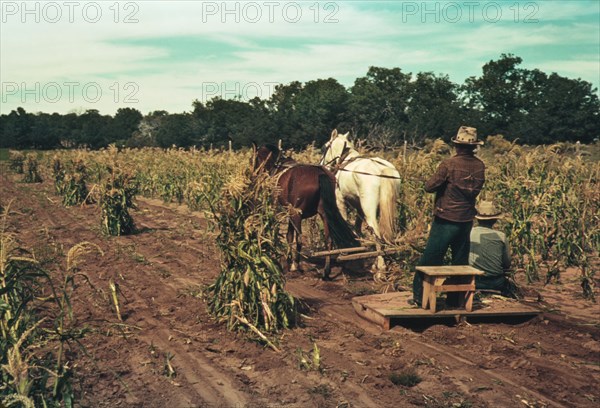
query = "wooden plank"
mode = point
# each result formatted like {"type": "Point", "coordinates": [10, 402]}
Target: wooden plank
{"type": "Point", "coordinates": [449, 270]}
{"type": "Point", "coordinates": [426, 291]}
{"type": "Point", "coordinates": [381, 309]}
{"type": "Point", "coordinates": [370, 314]}
{"type": "Point", "coordinates": [338, 251]}
{"type": "Point", "coordinates": [432, 302]}
{"type": "Point", "coordinates": [420, 313]}
{"type": "Point", "coordinates": [454, 288]}
{"type": "Point", "coordinates": [399, 301]}
{"type": "Point", "coordinates": [361, 255]}
{"type": "Point", "coordinates": [370, 254]}
{"type": "Point", "coordinates": [469, 301]}
{"type": "Point", "coordinates": [350, 254]}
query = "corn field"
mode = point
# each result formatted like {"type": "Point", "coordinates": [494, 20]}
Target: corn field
{"type": "Point", "coordinates": [32, 174]}
{"type": "Point", "coordinates": [550, 195]}
{"type": "Point", "coordinates": [250, 290]}
{"type": "Point", "coordinates": [16, 161]}
{"type": "Point", "coordinates": [36, 370]}
{"type": "Point", "coordinates": [192, 177]}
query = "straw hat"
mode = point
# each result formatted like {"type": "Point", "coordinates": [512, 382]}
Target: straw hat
{"type": "Point", "coordinates": [467, 136]}
{"type": "Point", "coordinates": [486, 210]}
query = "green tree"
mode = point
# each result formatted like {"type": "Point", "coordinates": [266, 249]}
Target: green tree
{"type": "Point", "coordinates": [147, 129]}
{"type": "Point", "coordinates": [558, 109]}
{"type": "Point", "coordinates": [125, 122]}
{"type": "Point", "coordinates": [379, 101]}
{"type": "Point", "coordinates": [530, 105]}
{"type": "Point", "coordinates": [222, 120]}
{"type": "Point", "coordinates": [319, 107]}
{"type": "Point", "coordinates": [262, 128]}
{"type": "Point", "coordinates": [433, 110]}
{"type": "Point", "coordinates": [94, 129]}
{"type": "Point", "coordinates": [497, 96]}
{"type": "Point", "coordinates": [176, 129]}
{"type": "Point", "coordinates": [16, 129]}
{"type": "Point", "coordinates": [282, 110]}
{"type": "Point", "coordinates": [45, 131]}
{"type": "Point", "coordinates": [70, 130]}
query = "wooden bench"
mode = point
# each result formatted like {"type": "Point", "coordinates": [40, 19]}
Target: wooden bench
{"type": "Point", "coordinates": [462, 280]}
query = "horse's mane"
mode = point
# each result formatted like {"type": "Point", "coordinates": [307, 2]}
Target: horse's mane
{"type": "Point", "coordinates": [270, 157]}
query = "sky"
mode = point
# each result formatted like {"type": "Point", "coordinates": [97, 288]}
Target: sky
{"type": "Point", "coordinates": [70, 56]}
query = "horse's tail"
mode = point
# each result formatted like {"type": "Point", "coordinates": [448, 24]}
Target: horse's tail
{"type": "Point", "coordinates": [388, 212]}
{"type": "Point", "coordinates": [340, 231]}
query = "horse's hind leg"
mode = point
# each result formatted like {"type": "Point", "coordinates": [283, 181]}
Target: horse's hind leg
{"type": "Point", "coordinates": [328, 245]}
{"type": "Point", "coordinates": [370, 211]}
{"type": "Point", "coordinates": [295, 231]}
{"type": "Point", "coordinates": [358, 222]}
{"type": "Point", "coordinates": [341, 204]}
{"type": "Point", "coordinates": [369, 206]}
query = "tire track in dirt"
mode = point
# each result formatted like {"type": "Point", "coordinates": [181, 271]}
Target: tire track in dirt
{"type": "Point", "coordinates": [342, 311]}
{"type": "Point", "coordinates": [207, 384]}
{"type": "Point", "coordinates": [450, 355]}
{"type": "Point", "coordinates": [360, 396]}
{"type": "Point", "coordinates": [173, 255]}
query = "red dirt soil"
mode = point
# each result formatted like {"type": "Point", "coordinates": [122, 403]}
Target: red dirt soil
{"type": "Point", "coordinates": [553, 361]}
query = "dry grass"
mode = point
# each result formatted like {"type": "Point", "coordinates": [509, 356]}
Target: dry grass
{"type": "Point", "coordinates": [550, 196]}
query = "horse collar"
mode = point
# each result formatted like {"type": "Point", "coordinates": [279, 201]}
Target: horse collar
{"type": "Point", "coordinates": [345, 161]}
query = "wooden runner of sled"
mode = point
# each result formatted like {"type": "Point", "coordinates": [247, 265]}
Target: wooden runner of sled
{"type": "Point", "coordinates": [382, 309]}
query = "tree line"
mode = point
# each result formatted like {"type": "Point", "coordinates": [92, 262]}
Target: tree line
{"type": "Point", "coordinates": [384, 108]}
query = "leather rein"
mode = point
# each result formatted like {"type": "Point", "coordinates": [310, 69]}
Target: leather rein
{"type": "Point", "coordinates": [341, 162]}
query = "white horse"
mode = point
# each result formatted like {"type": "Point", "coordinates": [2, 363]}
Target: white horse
{"type": "Point", "coordinates": [368, 184]}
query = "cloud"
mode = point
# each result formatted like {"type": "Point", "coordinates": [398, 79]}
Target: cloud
{"type": "Point", "coordinates": [178, 48]}
{"type": "Point", "coordinates": [584, 67]}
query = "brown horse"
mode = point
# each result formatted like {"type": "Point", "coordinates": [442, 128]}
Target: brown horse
{"type": "Point", "coordinates": [309, 190]}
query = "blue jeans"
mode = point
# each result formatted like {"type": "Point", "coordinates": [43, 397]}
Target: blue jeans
{"type": "Point", "coordinates": [444, 234]}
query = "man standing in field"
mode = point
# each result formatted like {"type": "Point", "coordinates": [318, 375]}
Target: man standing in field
{"type": "Point", "coordinates": [490, 251]}
{"type": "Point", "coordinates": [456, 184]}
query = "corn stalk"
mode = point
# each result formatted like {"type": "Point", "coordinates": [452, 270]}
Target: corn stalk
{"type": "Point", "coordinates": [251, 285]}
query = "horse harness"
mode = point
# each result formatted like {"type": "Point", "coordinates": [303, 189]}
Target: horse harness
{"type": "Point", "coordinates": [343, 163]}
{"type": "Point", "coordinates": [282, 166]}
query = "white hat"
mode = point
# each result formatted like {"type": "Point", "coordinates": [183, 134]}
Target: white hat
{"type": "Point", "coordinates": [486, 210]}
{"type": "Point", "coordinates": [467, 136]}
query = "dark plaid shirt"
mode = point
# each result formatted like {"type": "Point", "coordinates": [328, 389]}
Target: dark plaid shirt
{"type": "Point", "coordinates": [456, 184]}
